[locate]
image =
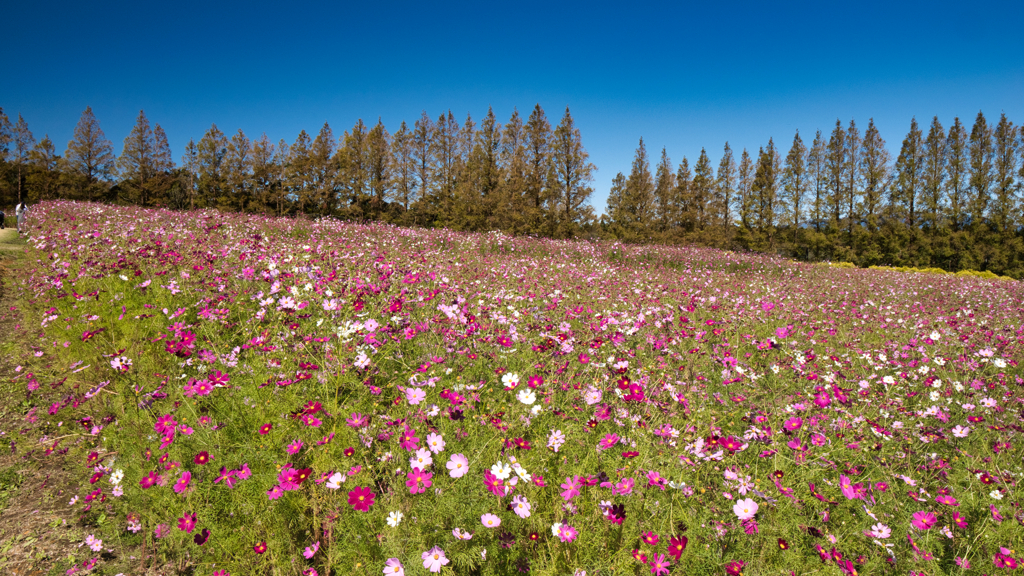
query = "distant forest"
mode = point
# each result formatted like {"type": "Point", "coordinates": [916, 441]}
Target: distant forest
{"type": "Point", "coordinates": [951, 198]}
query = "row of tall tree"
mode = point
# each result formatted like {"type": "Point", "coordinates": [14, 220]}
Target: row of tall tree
{"type": "Point", "coordinates": [950, 198]}
{"type": "Point", "coordinates": [523, 176]}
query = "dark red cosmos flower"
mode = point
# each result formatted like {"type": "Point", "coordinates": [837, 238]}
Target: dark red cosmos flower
{"type": "Point", "coordinates": [260, 548]}
{"type": "Point", "coordinates": [783, 545]}
{"type": "Point", "coordinates": [266, 428]}
{"type": "Point", "coordinates": [778, 474]}
{"type": "Point", "coordinates": [534, 537]}
{"type": "Point", "coordinates": [202, 458]}
{"type": "Point", "coordinates": [350, 451]}
{"type": "Point", "coordinates": [95, 477]}
{"type": "Point", "coordinates": [522, 444]}
{"type": "Point", "coordinates": [202, 537]}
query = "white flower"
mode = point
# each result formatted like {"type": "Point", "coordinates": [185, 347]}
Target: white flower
{"type": "Point", "coordinates": [889, 380]}
{"type": "Point", "coordinates": [501, 470]}
{"type": "Point", "coordinates": [537, 409]}
{"type": "Point", "coordinates": [117, 476]}
{"type": "Point", "coordinates": [996, 494]}
{"type": "Point", "coordinates": [934, 395]}
{"type": "Point", "coordinates": [394, 518]}
{"type": "Point", "coordinates": [556, 528]}
{"type": "Point", "coordinates": [510, 380]}
{"type": "Point", "coordinates": [999, 362]}
{"type": "Point", "coordinates": [336, 480]}
{"type": "Point", "coordinates": [526, 396]}
{"type": "Point", "coordinates": [934, 335]}
{"type": "Point", "coordinates": [521, 472]}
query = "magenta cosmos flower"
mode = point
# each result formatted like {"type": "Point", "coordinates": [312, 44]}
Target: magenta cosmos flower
{"type": "Point", "coordinates": [361, 499]}
{"type": "Point", "coordinates": [923, 520]}
{"type": "Point", "coordinates": [418, 481]}
{"type": "Point", "coordinates": [434, 558]}
{"type": "Point", "coordinates": [793, 424]}
{"type": "Point", "coordinates": [182, 482]}
{"type": "Point", "coordinates": [457, 465]}
{"type": "Point", "coordinates": [187, 523]}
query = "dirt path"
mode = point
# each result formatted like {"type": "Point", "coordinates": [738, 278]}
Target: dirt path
{"type": "Point", "coordinates": [36, 531]}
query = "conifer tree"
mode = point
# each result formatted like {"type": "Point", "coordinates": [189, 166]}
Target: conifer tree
{"type": "Point", "coordinates": [617, 215]}
{"type": "Point", "coordinates": [23, 142]}
{"type": "Point", "coordinates": [817, 169]}
{"type": "Point", "coordinates": [190, 163]}
{"type": "Point", "coordinates": [571, 175]}
{"type": "Point", "coordinates": [726, 191]}
{"type": "Point", "coordinates": [684, 185]}
{"type": "Point", "coordinates": [765, 188]}
{"type": "Point", "coordinates": [852, 175]}
{"type": "Point", "coordinates": [266, 175]}
{"type": "Point", "coordinates": [702, 193]}
{"type": "Point", "coordinates": [323, 172]}
{"type": "Point", "coordinates": [90, 155]}
{"type": "Point", "coordinates": [238, 170]}
{"type": "Point", "coordinates": [638, 200]}
{"type": "Point", "coordinates": [538, 154]}
{"type": "Point", "coordinates": [403, 166]}
{"type": "Point", "coordinates": [1004, 172]}
{"type": "Point", "coordinates": [163, 161]}
{"type": "Point", "coordinates": [511, 213]}
{"type": "Point", "coordinates": [46, 161]}
{"type": "Point", "coordinates": [909, 176]}
{"type": "Point", "coordinates": [378, 156]}
{"type": "Point", "coordinates": [297, 170]}
{"type": "Point", "coordinates": [353, 172]}
{"type": "Point", "coordinates": [280, 194]}
{"type": "Point", "coordinates": [422, 136]}
{"type": "Point", "coordinates": [138, 164]}
{"type": "Point", "coordinates": [664, 192]}
{"type": "Point", "coordinates": [981, 155]}
{"type": "Point", "coordinates": [875, 173]}
{"type": "Point", "coordinates": [213, 188]}
{"type": "Point", "coordinates": [745, 183]}
{"type": "Point", "coordinates": [795, 182]}
{"type": "Point", "coordinates": [5, 136]}
{"type": "Point", "coordinates": [445, 151]}
{"type": "Point", "coordinates": [957, 174]}
{"type": "Point", "coordinates": [934, 176]}
{"type": "Point", "coordinates": [836, 165]}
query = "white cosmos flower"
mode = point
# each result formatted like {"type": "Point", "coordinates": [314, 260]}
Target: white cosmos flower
{"type": "Point", "coordinates": [394, 518]}
{"type": "Point", "coordinates": [526, 396]}
{"type": "Point", "coordinates": [501, 470]}
{"type": "Point", "coordinates": [996, 494]}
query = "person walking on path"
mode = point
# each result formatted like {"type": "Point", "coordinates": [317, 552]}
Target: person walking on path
{"type": "Point", "coordinates": [19, 212]}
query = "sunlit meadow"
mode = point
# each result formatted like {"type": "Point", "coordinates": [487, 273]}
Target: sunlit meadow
{"type": "Point", "coordinates": [247, 395]}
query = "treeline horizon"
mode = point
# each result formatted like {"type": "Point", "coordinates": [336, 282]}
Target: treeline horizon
{"type": "Point", "coordinates": [951, 198]}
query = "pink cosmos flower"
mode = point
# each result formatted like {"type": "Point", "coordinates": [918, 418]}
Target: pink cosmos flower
{"type": "Point", "coordinates": [275, 492]}
{"type": "Point", "coordinates": [947, 500]}
{"type": "Point", "coordinates": [311, 551]}
{"type": "Point", "coordinates": [923, 520]}
{"type": "Point", "coordinates": [457, 465]}
{"type": "Point", "coordinates": [793, 424]}
{"type": "Point", "coordinates": [880, 531]}
{"type": "Point", "coordinates": [435, 443]}
{"type": "Point", "coordinates": [570, 488]}
{"type": "Point", "coordinates": [294, 447]}
{"type": "Point", "coordinates": [521, 506]}
{"type": "Point", "coordinates": [165, 424]}
{"type": "Point", "coordinates": [461, 535]}
{"type": "Point", "coordinates": [182, 482]}
{"type": "Point", "coordinates": [745, 509]}
{"type": "Point", "coordinates": [490, 521]}
{"type": "Point", "coordinates": [655, 479]}
{"type": "Point", "coordinates": [434, 558]}
{"type": "Point", "coordinates": [393, 567]}
{"type": "Point", "coordinates": [567, 533]}
{"type": "Point", "coordinates": [415, 395]}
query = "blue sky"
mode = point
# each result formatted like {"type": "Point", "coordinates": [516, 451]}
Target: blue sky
{"type": "Point", "coordinates": [681, 75]}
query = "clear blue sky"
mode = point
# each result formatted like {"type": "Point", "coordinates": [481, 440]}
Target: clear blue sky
{"type": "Point", "coordinates": [682, 76]}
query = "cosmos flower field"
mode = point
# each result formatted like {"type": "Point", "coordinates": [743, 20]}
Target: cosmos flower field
{"type": "Point", "coordinates": [247, 395]}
